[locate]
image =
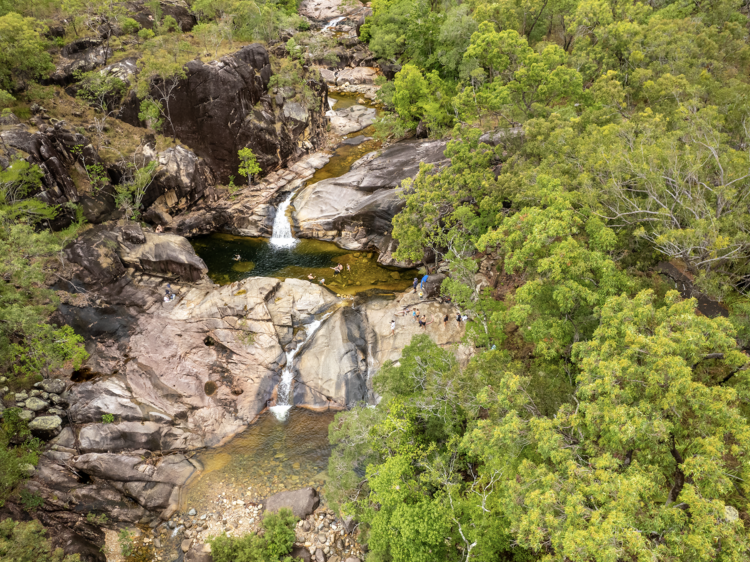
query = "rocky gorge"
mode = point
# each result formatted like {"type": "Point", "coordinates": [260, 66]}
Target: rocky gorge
{"type": "Point", "coordinates": [169, 378]}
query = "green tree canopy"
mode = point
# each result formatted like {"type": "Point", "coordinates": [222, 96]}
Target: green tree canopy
{"type": "Point", "coordinates": [23, 54]}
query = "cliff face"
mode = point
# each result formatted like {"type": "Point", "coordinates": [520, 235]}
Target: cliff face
{"type": "Point", "coordinates": [224, 105]}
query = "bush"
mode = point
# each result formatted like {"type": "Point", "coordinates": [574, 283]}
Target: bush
{"type": "Point", "coordinates": [130, 26]}
{"type": "Point", "coordinates": [25, 542]}
{"type": "Point", "coordinates": [14, 459]}
{"type": "Point", "coordinates": [275, 544]}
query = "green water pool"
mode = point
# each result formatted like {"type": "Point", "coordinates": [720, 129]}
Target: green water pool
{"type": "Point", "coordinates": [258, 258]}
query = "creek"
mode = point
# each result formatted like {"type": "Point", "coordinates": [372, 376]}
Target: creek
{"type": "Point", "coordinates": [285, 256]}
{"type": "Point", "coordinates": [286, 448]}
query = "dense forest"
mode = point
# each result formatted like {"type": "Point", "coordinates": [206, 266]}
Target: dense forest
{"type": "Point", "coordinates": [602, 416]}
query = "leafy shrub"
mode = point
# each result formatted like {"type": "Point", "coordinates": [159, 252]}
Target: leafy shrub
{"type": "Point", "coordinates": [25, 542]}
{"type": "Point", "coordinates": [130, 26]}
{"type": "Point", "coordinates": [31, 500]}
{"type": "Point", "coordinates": [108, 418]}
{"type": "Point", "coordinates": [95, 519]}
{"type": "Point", "coordinates": [275, 544]}
{"type": "Point", "coordinates": [126, 542]}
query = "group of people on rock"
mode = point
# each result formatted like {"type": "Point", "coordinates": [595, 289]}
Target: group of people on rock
{"type": "Point", "coordinates": [421, 319]}
{"type": "Point", "coordinates": [168, 294]}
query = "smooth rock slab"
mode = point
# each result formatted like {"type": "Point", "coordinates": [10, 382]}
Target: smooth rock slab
{"type": "Point", "coordinates": [100, 438]}
{"type": "Point", "coordinates": [302, 502]}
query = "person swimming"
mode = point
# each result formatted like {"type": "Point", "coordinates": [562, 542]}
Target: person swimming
{"type": "Point", "coordinates": [237, 257]}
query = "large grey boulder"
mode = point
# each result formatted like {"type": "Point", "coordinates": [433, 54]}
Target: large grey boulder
{"type": "Point", "coordinates": [91, 400]}
{"type": "Point", "coordinates": [104, 251]}
{"type": "Point", "coordinates": [378, 313]}
{"type": "Point", "coordinates": [224, 105]}
{"type": "Point", "coordinates": [181, 179]}
{"type": "Point", "coordinates": [357, 75]}
{"type": "Point", "coordinates": [202, 553]}
{"type": "Point", "coordinates": [324, 9]}
{"type": "Point", "coordinates": [173, 469]}
{"type": "Point", "coordinates": [82, 55]}
{"type": "Point", "coordinates": [56, 386]}
{"type": "Point", "coordinates": [302, 502]}
{"type": "Point", "coordinates": [352, 119]}
{"type": "Point", "coordinates": [355, 210]}
{"type": "Point", "coordinates": [45, 427]}
{"type": "Point", "coordinates": [163, 254]}
{"type": "Point", "coordinates": [331, 371]}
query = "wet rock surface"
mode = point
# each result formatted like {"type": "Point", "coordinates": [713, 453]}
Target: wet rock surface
{"type": "Point", "coordinates": [251, 210]}
{"type": "Point", "coordinates": [355, 210]}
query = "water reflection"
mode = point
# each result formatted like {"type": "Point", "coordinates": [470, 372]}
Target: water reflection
{"type": "Point", "coordinates": [271, 456]}
{"type": "Point", "coordinates": [310, 257]}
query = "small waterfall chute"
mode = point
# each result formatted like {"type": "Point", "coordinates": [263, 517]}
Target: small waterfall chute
{"type": "Point", "coordinates": [282, 236]}
{"type": "Point", "coordinates": [333, 23]}
{"type": "Point", "coordinates": [282, 407]}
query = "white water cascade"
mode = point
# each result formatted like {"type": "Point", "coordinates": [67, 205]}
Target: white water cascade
{"type": "Point", "coordinates": [333, 23]}
{"type": "Point", "coordinates": [282, 236]}
{"type": "Point", "coordinates": [282, 407]}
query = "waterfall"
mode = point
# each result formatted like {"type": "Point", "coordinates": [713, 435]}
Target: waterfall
{"type": "Point", "coordinates": [282, 236]}
{"type": "Point", "coordinates": [282, 392]}
{"type": "Point", "coordinates": [333, 23]}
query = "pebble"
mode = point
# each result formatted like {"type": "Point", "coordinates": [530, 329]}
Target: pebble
{"type": "Point", "coordinates": [193, 513]}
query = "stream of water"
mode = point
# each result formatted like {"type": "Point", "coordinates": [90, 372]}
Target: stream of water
{"type": "Point", "coordinates": [282, 236]}
{"type": "Point", "coordinates": [286, 448]}
{"type": "Point", "coordinates": [282, 407]}
{"type": "Point", "coordinates": [333, 23]}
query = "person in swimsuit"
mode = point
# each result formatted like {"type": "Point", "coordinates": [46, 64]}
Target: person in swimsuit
{"type": "Point", "coordinates": [422, 322]}
{"type": "Point", "coordinates": [393, 326]}
{"type": "Point", "coordinates": [445, 321]}
{"type": "Point", "coordinates": [310, 276]}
